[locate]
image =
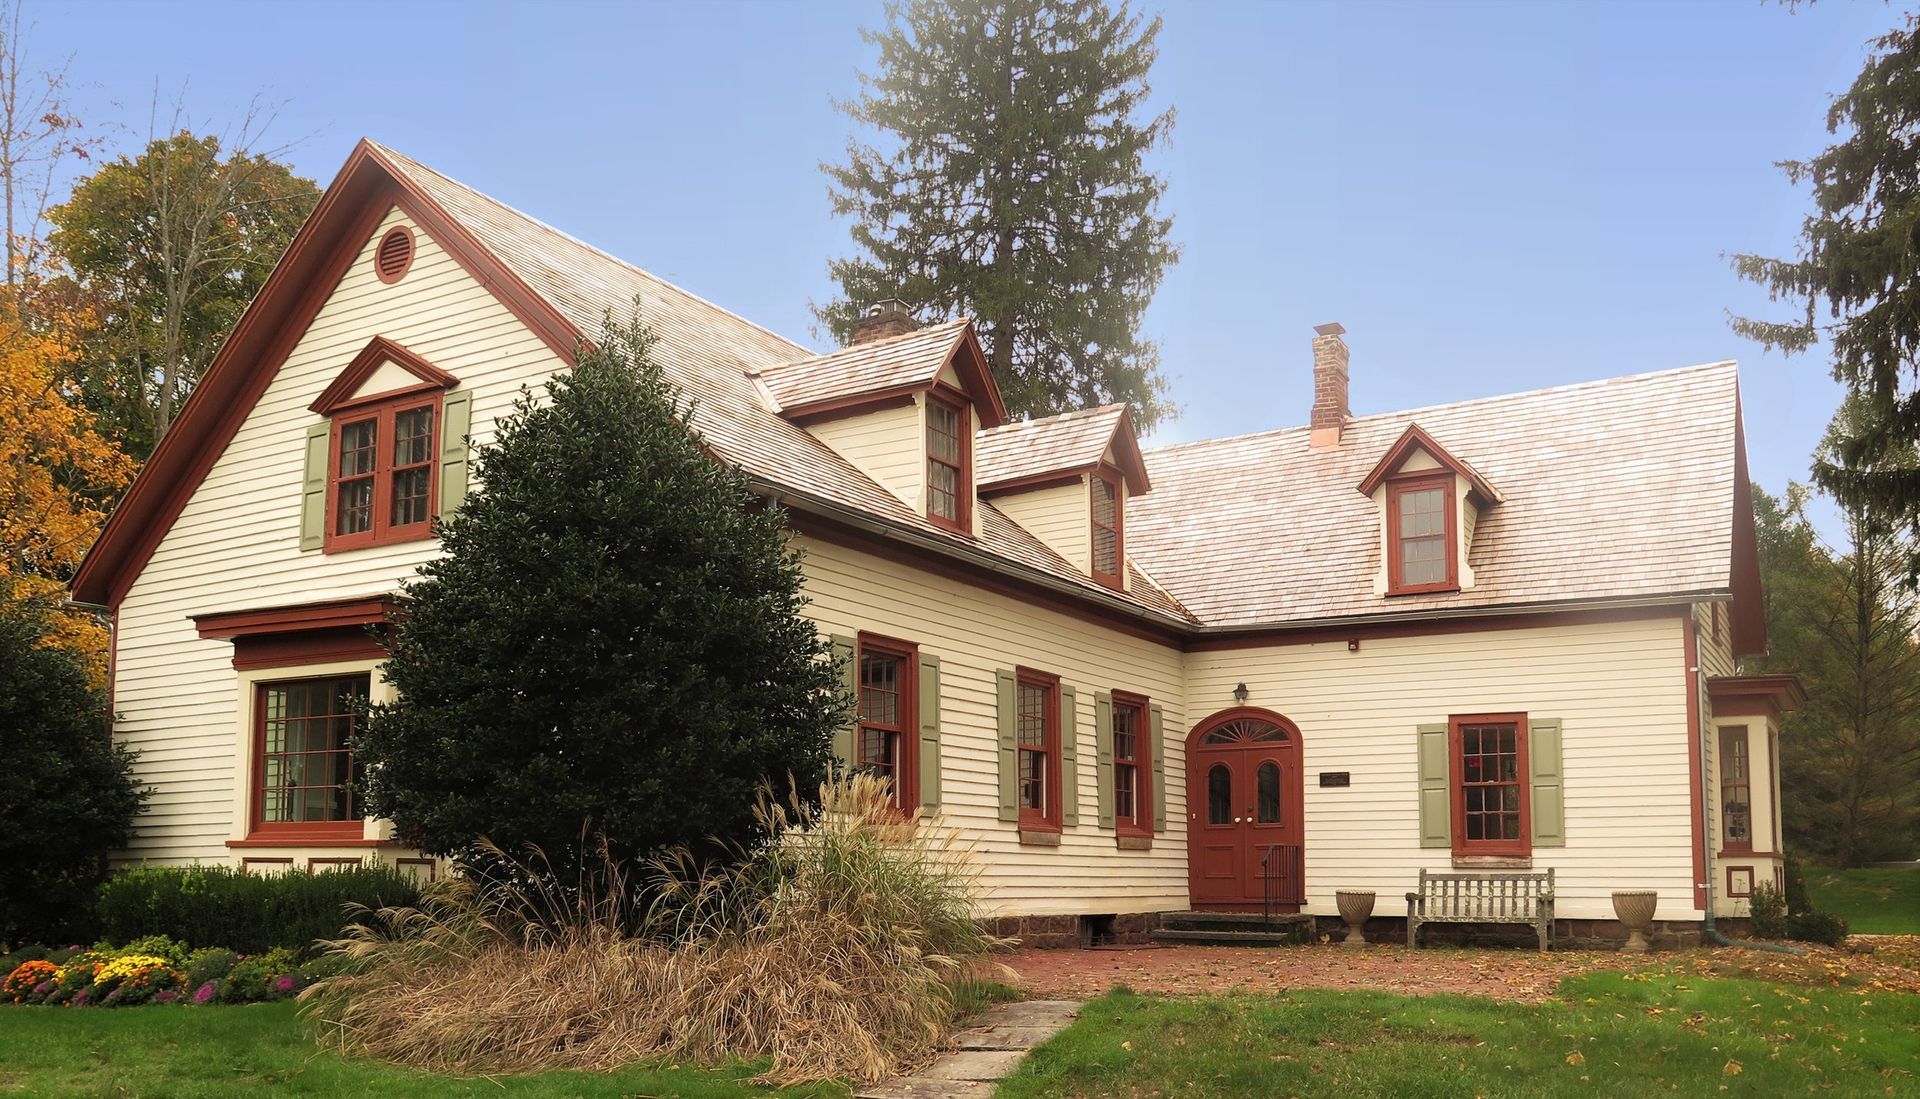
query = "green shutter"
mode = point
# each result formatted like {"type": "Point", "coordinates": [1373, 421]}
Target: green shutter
{"type": "Point", "coordinates": [1157, 752]}
{"type": "Point", "coordinates": [1009, 755]}
{"type": "Point", "coordinates": [1549, 806]}
{"type": "Point", "coordinates": [929, 731]}
{"type": "Point", "coordinates": [1436, 810]}
{"type": "Point", "coordinates": [1069, 756]}
{"type": "Point", "coordinates": [843, 736]}
{"type": "Point", "coordinates": [456, 417]}
{"type": "Point", "coordinates": [313, 488]}
{"type": "Point", "coordinates": [1103, 752]}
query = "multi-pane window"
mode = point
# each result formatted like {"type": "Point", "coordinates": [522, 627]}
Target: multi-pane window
{"type": "Point", "coordinates": [1736, 790]}
{"type": "Point", "coordinates": [884, 705]}
{"type": "Point", "coordinates": [1419, 535]}
{"type": "Point", "coordinates": [947, 489]}
{"type": "Point", "coordinates": [1490, 785]}
{"type": "Point", "coordinates": [1106, 529]}
{"type": "Point", "coordinates": [1131, 797]}
{"type": "Point", "coordinates": [305, 765]}
{"type": "Point", "coordinates": [382, 473]}
{"type": "Point", "coordinates": [1267, 793]}
{"type": "Point", "coordinates": [1219, 794]}
{"type": "Point", "coordinates": [1037, 740]}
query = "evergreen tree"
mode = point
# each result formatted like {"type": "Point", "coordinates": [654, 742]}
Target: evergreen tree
{"type": "Point", "coordinates": [612, 641]}
{"type": "Point", "coordinates": [1014, 190]}
{"type": "Point", "coordinates": [1859, 263]}
{"type": "Point", "coordinates": [69, 795]}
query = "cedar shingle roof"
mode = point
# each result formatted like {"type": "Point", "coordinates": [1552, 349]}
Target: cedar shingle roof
{"type": "Point", "coordinates": [1035, 448]}
{"type": "Point", "coordinates": [710, 354]}
{"type": "Point", "coordinates": [1619, 489]}
{"type": "Point", "coordinates": [912, 359]}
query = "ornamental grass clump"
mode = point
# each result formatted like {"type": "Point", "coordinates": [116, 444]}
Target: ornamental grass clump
{"type": "Point", "coordinates": [834, 951]}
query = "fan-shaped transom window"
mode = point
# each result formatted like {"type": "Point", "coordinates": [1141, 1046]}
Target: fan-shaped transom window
{"type": "Point", "coordinates": [1245, 730]}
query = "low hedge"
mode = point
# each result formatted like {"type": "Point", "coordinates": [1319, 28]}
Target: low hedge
{"type": "Point", "coordinates": [220, 906]}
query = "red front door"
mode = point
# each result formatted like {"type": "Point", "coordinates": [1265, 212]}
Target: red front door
{"type": "Point", "coordinates": [1244, 793]}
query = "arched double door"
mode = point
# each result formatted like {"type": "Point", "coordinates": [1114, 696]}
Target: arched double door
{"type": "Point", "coordinates": [1245, 794]}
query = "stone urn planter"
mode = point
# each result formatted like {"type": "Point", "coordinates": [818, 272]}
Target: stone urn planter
{"type": "Point", "coordinates": [1635, 909]}
{"type": "Point", "coordinates": [1355, 906]}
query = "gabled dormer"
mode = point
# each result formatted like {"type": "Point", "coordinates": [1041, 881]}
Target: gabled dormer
{"type": "Point", "coordinates": [1066, 479]}
{"type": "Point", "coordinates": [902, 403]}
{"type": "Point", "coordinates": [1429, 502]}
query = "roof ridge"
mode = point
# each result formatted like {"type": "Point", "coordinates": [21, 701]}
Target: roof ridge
{"type": "Point", "coordinates": [1412, 413]}
{"type": "Point", "coordinates": [390, 151]}
{"type": "Point", "coordinates": [1056, 417]}
{"type": "Point", "coordinates": [867, 345]}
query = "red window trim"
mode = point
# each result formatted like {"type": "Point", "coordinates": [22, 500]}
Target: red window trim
{"type": "Point", "coordinates": [963, 479]}
{"type": "Point", "coordinates": [260, 832]}
{"type": "Point", "coordinates": [383, 531]}
{"type": "Point", "coordinates": [1417, 482]}
{"type": "Point", "coordinates": [906, 780]}
{"type": "Point", "coordinates": [1050, 820]}
{"type": "Point", "coordinates": [1456, 791]}
{"type": "Point", "coordinates": [1112, 477]}
{"type": "Point", "coordinates": [1753, 879]}
{"type": "Point", "coordinates": [1142, 822]}
{"type": "Point", "coordinates": [1727, 733]}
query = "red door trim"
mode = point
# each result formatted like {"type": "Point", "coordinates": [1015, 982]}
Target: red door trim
{"type": "Point", "coordinates": [1200, 759]}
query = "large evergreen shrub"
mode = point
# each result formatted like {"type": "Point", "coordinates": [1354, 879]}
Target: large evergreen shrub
{"type": "Point", "coordinates": [611, 644]}
{"type": "Point", "coordinates": [67, 794]}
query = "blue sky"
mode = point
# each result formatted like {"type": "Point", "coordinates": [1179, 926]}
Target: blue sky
{"type": "Point", "coordinates": [1490, 196]}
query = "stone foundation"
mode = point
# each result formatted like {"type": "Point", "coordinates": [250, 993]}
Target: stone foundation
{"type": "Point", "coordinates": [1075, 932]}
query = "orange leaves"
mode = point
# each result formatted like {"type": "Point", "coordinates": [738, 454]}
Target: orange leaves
{"type": "Point", "coordinates": [58, 474]}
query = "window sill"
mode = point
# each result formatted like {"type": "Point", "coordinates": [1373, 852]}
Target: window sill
{"type": "Point", "coordinates": [332, 545]}
{"type": "Point", "coordinates": [1424, 589]}
{"type": "Point", "coordinates": [258, 839]}
{"type": "Point", "coordinates": [1470, 861]}
{"type": "Point", "coordinates": [1133, 841]}
{"type": "Point", "coordinates": [1031, 836]}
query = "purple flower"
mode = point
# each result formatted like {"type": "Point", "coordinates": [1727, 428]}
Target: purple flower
{"type": "Point", "coordinates": [43, 988]}
{"type": "Point", "coordinates": [111, 999]}
{"type": "Point", "coordinates": [80, 997]}
{"type": "Point", "coordinates": [204, 993]}
{"type": "Point", "coordinates": [165, 997]}
{"type": "Point", "coordinates": [283, 984]}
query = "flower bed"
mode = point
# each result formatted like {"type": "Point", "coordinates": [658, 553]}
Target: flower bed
{"type": "Point", "coordinates": [156, 970]}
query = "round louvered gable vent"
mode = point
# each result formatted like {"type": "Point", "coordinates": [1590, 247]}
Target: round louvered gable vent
{"type": "Point", "coordinates": [394, 255]}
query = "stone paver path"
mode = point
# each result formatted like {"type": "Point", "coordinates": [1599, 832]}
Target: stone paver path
{"type": "Point", "coordinates": [1523, 975]}
{"type": "Point", "coordinates": [987, 1050]}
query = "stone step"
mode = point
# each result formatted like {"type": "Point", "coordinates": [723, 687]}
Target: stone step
{"type": "Point", "coordinates": [1233, 921]}
{"type": "Point", "coordinates": [1278, 937]}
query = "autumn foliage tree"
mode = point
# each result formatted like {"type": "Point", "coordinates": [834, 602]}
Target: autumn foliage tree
{"type": "Point", "coordinates": [58, 473]}
{"type": "Point", "coordinates": [170, 246]}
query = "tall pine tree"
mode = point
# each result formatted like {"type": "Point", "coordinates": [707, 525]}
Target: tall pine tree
{"type": "Point", "coordinates": [1013, 188]}
{"type": "Point", "coordinates": [612, 641]}
{"type": "Point", "coordinates": [1856, 277]}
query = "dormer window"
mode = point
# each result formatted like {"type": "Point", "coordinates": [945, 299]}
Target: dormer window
{"type": "Point", "coordinates": [1108, 504]}
{"type": "Point", "coordinates": [949, 481]}
{"type": "Point", "coordinates": [1430, 504]}
{"type": "Point", "coordinates": [1420, 534]}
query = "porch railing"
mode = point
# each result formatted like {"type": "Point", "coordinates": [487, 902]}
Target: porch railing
{"type": "Point", "coordinates": [1282, 878]}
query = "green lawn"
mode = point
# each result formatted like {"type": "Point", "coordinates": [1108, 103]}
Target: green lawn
{"type": "Point", "coordinates": [234, 1051]}
{"type": "Point", "coordinates": [1613, 1035]}
{"type": "Point", "coordinates": [1875, 902]}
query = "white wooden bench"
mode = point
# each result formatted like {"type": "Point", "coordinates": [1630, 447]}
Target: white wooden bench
{"type": "Point", "coordinates": [1483, 898]}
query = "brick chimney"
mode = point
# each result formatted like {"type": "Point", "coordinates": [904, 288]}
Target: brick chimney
{"type": "Point", "coordinates": [891, 317]}
{"type": "Point", "coordinates": [1330, 412]}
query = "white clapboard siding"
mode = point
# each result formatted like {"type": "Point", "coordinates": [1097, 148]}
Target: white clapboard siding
{"type": "Point", "coordinates": [975, 632]}
{"type": "Point", "coordinates": [888, 446]}
{"type": "Point", "coordinates": [1618, 687]}
{"type": "Point", "coordinates": [236, 544]}
{"type": "Point", "coordinates": [1061, 517]}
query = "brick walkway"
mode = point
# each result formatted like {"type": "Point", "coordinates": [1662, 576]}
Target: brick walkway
{"type": "Point", "coordinates": [1521, 975]}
